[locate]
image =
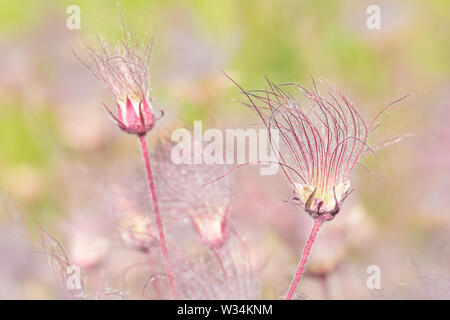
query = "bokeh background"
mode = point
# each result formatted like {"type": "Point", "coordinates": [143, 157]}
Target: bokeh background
{"type": "Point", "coordinates": [60, 156]}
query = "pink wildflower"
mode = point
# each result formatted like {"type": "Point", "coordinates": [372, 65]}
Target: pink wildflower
{"type": "Point", "coordinates": [124, 70]}
{"type": "Point", "coordinates": [226, 274]}
{"type": "Point", "coordinates": [322, 140]}
{"type": "Point", "coordinates": [187, 192]}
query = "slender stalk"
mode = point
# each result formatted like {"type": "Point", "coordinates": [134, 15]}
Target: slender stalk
{"type": "Point", "coordinates": [298, 274]}
{"type": "Point", "coordinates": [151, 185]}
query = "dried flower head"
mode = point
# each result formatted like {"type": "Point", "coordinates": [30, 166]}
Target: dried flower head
{"type": "Point", "coordinates": [223, 274]}
{"type": "Point", "coordinates": [124, 69]}
{"type": "Point", "coordinates": [59, 262]}
{"type": "Point", "coordinates": [186, 191]}
{"type": "Point", "coordinates": [321, 141]}
{"type": "Point", "coordinates": [136, 229]}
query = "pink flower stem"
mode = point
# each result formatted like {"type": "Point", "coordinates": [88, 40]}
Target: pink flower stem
{"type": "Point", "coordinates": [151, 185]}
{"type": "Point", "coordinates": [298, 274]}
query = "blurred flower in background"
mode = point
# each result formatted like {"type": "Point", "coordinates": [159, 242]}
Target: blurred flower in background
{"type": "Point", "coordinates": [63, 167]}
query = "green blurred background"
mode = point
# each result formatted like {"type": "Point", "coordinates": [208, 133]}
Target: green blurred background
{"type": "Point", "coordinates": [50, 107]}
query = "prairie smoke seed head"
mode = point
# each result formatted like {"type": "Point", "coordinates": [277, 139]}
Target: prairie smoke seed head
{"type": "Point", "coordinates": [135, 228]}
{"type": "Point", "coordinates": [134, 231]}
{"type": "Point", "coordinates": [186, 191]}
{"type": "Point", "coordinates": [321, 140]}
{"type": "Point", "coordinates": [124, 70]}
{"type": "Point", "coordinates": [211, 226]}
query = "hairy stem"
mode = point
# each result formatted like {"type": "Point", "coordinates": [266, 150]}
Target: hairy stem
{"type": "Point", "coordinates": [151, 185]}
{"type": "Point", "coordinates": [301, 266]}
